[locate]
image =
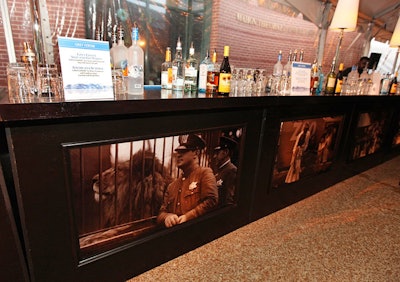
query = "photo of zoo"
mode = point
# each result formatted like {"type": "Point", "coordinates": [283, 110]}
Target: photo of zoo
{"type": "Point", "coordinates": [306, 147]}
{"type": "Point", "coordinates": [123, 191]}
{"type": "Point", "coordinates": [369, 134]}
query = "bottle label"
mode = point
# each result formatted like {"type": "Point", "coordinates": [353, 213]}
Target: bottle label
{"type": "Point", "coordinates": [339, 84]}
{"type": "Point", "coordinates": [135, 71]}
{"type": "Point", "coordinates": [203, 76]}
{"type": "Point", "coordinates": [331, 82]}
{"type": "Point", "coordinates": [224, 83]}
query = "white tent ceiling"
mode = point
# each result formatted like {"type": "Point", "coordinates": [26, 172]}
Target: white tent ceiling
{"type": "Point", "coordinates": [383, 14]}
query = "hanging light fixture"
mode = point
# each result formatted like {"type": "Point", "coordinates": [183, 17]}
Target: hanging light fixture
{"type": "Point", "coordinates": [344, 19]}
{"type": "Point", "coordinates": [395, 42]}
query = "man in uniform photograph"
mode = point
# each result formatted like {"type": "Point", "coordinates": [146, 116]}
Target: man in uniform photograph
{"type": "Point", "coordinates": [194, 192]}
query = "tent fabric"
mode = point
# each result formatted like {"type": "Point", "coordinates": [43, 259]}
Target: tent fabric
{"type": "Point", "coordinates": [383, 14]}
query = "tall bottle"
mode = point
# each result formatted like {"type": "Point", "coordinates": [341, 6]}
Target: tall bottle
{"type": "Point", "coordinates": [205, 65]}
{"type": "Point", "coordinates": [278, 67]}
{"type": "Point", "coordinates": [178, 68]}
{"type": "Point", "coordinates": [224, 86]}
{"type": "Point", "coordinates": [393, 85]}
{"type": "Point", "coordinates": [166, 71]}
{"type": "Point", "coordinates": [135, 65]}
{"type": "Point", "coordinates": [114, 43]}
{"type": "Point", "coordinates": [119, 53]}
{"type": "Point", "coordinates": [301, 58]}
{"type": "Point", "coordinates": [288, 66]}
{"type": "Point", "coordinates": [339, 80]}
{"type": "Point", "coordinates": [330, 80]}
{"type": "Point", "coordinates": [191, 71]}
{"type": "Point", "coordinates": [314, 78]}
{"type": "Point", "coordinates": [294, 57]}
{"type": "Point", "coordinates": [213, 75]}
{"type": "Point", "coordinates": [385, 84]}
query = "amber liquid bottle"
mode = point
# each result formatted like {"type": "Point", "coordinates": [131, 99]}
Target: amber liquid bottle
{"type": "Point", "coordinates": [339, 80]}
{"type": "Point", "coordinates": [224, 86]}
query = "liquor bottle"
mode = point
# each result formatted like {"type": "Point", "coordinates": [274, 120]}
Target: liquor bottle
{"type": "Point", "coordinates": [135, 65]}
{"type": "Point", "coordinates": [113, 45]}
{"type": "Point", "coordinates": [330, 80]}
{"type": "Point", "coordinates": [294, 58]}
{"type": "Point", "coordinates": [205, 65]}
{"type": "Point", "coordinates": [178, 68]}
{"type": "Point", "coordinates": [166, 71]}
{"type": "Point", "coordinates": [213, 75]}
{"type": "Point", "coordinates": [278, 67]}
{"type": "Point", "coordinates": [191, 71]}
{"type": "Point", "coordinates": [288, 66]}
{"type": "Point", "coordinates": [385, 84]}
{"type": "Point", "coordinates": [314, 78]}
{"type": "Point", "coordinates": [29, 59]}
{"type": "Point", "coordinates": [224, 86]}
{"type": "Point", "coordinates": [301, 55]}
{"type": "Point", "coordinates": [393, 85]}
{"type": "Point", "coordinates": [339, 80]}
{"type": "Point", "coordinates": [120, 53]}
{"type": "Point", "coordinates": [321, 79]}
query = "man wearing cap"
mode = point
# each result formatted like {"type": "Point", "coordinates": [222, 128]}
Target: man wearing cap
{"type": "Point", "coordinates": [195, 192]}
{"type": "Point", "coordinates": [225, 171]}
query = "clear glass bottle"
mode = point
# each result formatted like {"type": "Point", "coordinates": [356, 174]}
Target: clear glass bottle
{"type": "Point", "coordinates": [114, 43]}
{"type": "Point", "coordinates": [288, 66]}
{"type": "Point", "coordinates": [178, 68]}
{"type": "Point", "coordinates": [166, 71]}
{"type": "Point", "coordinates": [301, 58]}
{"type": "Point", "coordinates": [278, 67]}
{"type": "Point", "coordinates": [135, 79]}
{"type": "Point", "coordinates": [120, 53]}
{"type": "Point", "coordinates": [224, 86]}
{"type": "Point", "coordinates": [191, 71]}
{"type": "Point", "coordinates": [205, 65]}
{"type": "Point", "coordinates": [385, 84]}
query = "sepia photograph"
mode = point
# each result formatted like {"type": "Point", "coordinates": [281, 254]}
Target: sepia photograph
{"type": "Point", "coordinates": [369, 134]}
{"type": "Point", "coordinates": [306, 147]}
{"type": "Point", "coordinates": [123, 191]}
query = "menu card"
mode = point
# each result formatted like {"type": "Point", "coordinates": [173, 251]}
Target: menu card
{"type": "Point", "coordinates": [86, 71]}
{"type": "Point", "coordinates": [301, 76]}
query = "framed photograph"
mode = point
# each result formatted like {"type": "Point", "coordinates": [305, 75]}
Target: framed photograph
{"type": "Point", "coordinates": [119, 189]}
{"type": "Point", "coordinates": [306, 147]}
{"type": "Point", "coordinates": [370, 133]}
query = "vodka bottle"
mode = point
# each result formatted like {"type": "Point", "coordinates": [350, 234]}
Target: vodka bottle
{"type": "Point", "coordinates": [288, 66]}
{"type": "Point", "coordinates": [294, 58]}
{"type": "Point", "coordinates": [178, 68]}
{"type": "Point", "coordinates": [330, 80]}
{"type": "Point", "coordinates": [120, 53]}
{"type": "Point", "coordinates": [213, 75]}
{"type": "Point", "coordinates": [278, 67]}
{"type": "Point", "coordinates": [191, 71]}
{"type": "Point", "coordinates": [113, 45]}
{"type": "Point", "coordinates": [135, 79]}
{"type": "Point", "coordinates": [224, 86]}
{"type": "Point", "coordinates": [205, 65]}
{"type": "Point", "coordinates": [166, 71]}
{"type": "Point", "coordinates": [301, 55]}
{"type": "Point", "coordinates": [385, 84]}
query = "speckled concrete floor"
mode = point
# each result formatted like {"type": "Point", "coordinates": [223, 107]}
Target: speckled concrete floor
{"type": "Point", "coordinates": [348, 232]}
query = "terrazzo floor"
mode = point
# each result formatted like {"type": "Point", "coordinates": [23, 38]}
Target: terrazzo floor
{"type": "Point", "coordinates": [348, 232]}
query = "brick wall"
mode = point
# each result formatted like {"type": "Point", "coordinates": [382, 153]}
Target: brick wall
{"type": "Point", "coordinates": [67, 18]}
{"type": "Point", "coordinates": [255, 34]}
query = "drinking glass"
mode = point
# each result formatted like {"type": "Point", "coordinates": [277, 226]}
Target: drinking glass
{"type": "Point", "coordinates": [48, 82]}
{"type": "Point", "coordinates": [19, 83]}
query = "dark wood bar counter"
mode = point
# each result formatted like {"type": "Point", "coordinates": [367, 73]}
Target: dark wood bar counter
{"type": "Point", "coordinates": [62, 163]}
